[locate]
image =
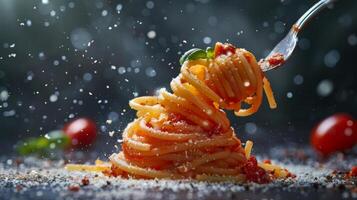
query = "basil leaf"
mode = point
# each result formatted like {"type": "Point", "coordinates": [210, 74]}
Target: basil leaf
{"type": "Point", "coordinates": [186, 54]}
{"type": "Point", "coordinates": [59, 138]}
{"type": "Point", "coordinates": [43, 144]}
{"type": "Point", "coordinates": [193, 54]}
{"type": "Point", "coordinates": [210, 52]}
{"type": "Point", "coordinates": [197, 55]}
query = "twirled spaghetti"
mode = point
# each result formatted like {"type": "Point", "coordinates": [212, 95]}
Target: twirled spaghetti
{"type": "Point", "coordinates": [186, 133]}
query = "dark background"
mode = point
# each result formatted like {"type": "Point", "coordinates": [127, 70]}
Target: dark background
{"type": "Point", "coordinates": [60, 60]}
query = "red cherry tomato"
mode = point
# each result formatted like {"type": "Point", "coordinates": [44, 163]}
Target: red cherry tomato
{"type": "Point", "coordinates": [81, 131]}
{"type": "Point", "coordinates": [226, 48]}
{"type": "Point", "coordinates": [335, 133]}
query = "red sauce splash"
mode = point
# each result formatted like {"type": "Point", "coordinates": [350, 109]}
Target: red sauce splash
{"type": "Point", "coordinates": [267, 161]}
{"type": "Point", "coordinates": [295, 28]}
{"type": "Point", "coordinates": [223, 49]}
{"type": "Point", "coordinates": [276, 59]}
{"type": "Point", "coordinates": [254, 173]}
{"type": "Point", "coordinates": [353, 172]}
{"type": "Point", "coordinates": [73, 188]}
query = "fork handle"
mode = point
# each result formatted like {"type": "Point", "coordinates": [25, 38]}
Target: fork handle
{"type": "Point", "coordinates": [310, 14]}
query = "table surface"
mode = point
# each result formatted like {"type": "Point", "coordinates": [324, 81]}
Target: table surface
{"type": "Point", "coordinates": [35, 178]}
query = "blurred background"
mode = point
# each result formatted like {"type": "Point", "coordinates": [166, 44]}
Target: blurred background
{"type": "Point", "coordinates": [61, 59]}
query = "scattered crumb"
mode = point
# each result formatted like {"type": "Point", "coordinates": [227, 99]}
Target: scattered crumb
{"type": "Point", "coordinates": [85, 181]}
{"type": "Point", "coordinates": [73, 188]}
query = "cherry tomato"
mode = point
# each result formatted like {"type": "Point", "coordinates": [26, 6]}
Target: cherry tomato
{"type": "Point", "coordinates": [226, 48]}
{"type": "Point", "coordinates": [335, 133]}
{"type": "Point", "coordinates": [81, 131]}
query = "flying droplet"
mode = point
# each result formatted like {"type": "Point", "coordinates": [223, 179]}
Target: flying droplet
{"type": "Point", "coordinates": [207, 40]}
{"type": "Point", "coordinates": [151, 34]}
{"type": "Point", "coordinates": [324, 88]}
{"type": "Point", "coordinates": [150, 72]}
{"type": "Point", "coordinates": [352, 40]}
{"type": "Point", "coordinates": [250, 128]}
{"type": "Point", "coordinates": [289, 95]}
{"type": "Point", "coordinates": [150, 5]}
{"type": "Point", "coordinates": [80, 37]}
{"type": "Point", "coordinates": [53, 98]}
{"type": "Point", "coordinates": [332, 58]}
{"type": "Point", "coordinates": [298, 79]}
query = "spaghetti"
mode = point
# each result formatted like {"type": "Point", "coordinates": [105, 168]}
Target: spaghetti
{"type": "Point", "coordinates": [186, 133]}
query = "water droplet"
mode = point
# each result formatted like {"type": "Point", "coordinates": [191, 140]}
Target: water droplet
{"type": "Point", "coordinates": [80, 37]}
{"type": "Point", "coordinates": [71, 4]}
{"type": "Point", "coordinates": [4, 95]}
{"type": "Point", "coordinates": [53, 98]}
{"type": "Point", "coordinates": [87, 77]}
{"type": "Point", "coordinates": [151, 34]}
{"type": "Point", "coordinates": [150, 72]}
{"type": "Point", "coordinates": [53, 13]}
{"type": "Point", "coordinates": [28, 22]}
{"type": "Point", "coordinates": [30, 76]}
{"type": "Point", "coordinates": [56, 63]}
{"type": "Point", "coordinates": [348, 132]}
{"type": "Point", "coordinates": [207, 40]}
{"type": "Point", "coordinates": [352, 40]}
{"type": "Point", "coordinates": [121, 70]}
{"type": "Point", "coordinates": [150, 4]}
{"type": "Point", "coordinates": [114, 116]}
{"type": "Point", "coordinates": [119, 7]}
{"type": "Point", "coordinates": [349, 123]}
{"type": "Point", "coordinates": [52, 146]}
{"type": "Point", "coordinates": [289, 95]}
{"type": "Point", "coordinates": [12, 55]}
{"type": "Point", "coordinates": [104, 13]}
{"type": "Point", "coordinates": [9, 162]}
{"type": "Point", "coordinates": [324, 88]}
{"type": "Point", "coordinates": [212, 20]}
{"type": "Point", "coordinates": [41, 56]}
{"type": "Point", "coordinates": [298, 79]}
{"type": "Point", "coordinates": [111, 133]}
{"type": "Point", "coordinates": [239, 33]}
{"type": "Point", "coordinates": [250, 128]}
{"type": "Point", "coordinates": [62, 8]}
{"type": "Point", "coordinates": [332, 58]}
{"type": "Point", "coordinates": [9, 113]}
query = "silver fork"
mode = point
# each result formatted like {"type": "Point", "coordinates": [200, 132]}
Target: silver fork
{"type": "Point", "coordinates": [286, 46]}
